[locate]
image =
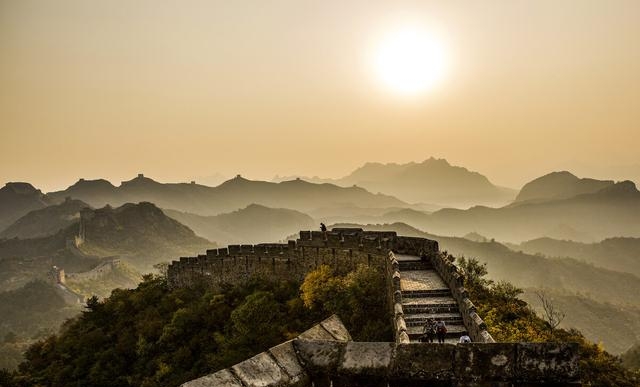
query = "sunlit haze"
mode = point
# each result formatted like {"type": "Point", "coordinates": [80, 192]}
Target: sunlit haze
{"type": "Point", "coordinates": [410, 61]}
{"type": "Point", "coordinates": [181, 90]}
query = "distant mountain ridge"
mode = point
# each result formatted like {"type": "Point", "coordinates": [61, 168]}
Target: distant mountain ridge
{"type": "Point", "coordinates": [229, 196]}
{"type": "Point", "coordinates": [252, 224]}
{"type": "Point", "coordinates": [621, 254]}
{"type": "Point", "coordinates": [45, 221]}
{"type": "Point", "coordinates": [610, 212]}
{"type": "Point", "coordinates": [17, 199]}
{"type": "Point", "coordinates": [432, 181]}
{"type": "Point", "coordinates": [560, 185]}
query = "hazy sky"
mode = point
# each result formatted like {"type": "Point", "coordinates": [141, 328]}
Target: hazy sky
{"type": "Point", "coordinates": [179, 89]}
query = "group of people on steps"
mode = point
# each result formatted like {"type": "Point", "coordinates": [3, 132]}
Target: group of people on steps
{"type": "Point", "coordinates": [438, 329]}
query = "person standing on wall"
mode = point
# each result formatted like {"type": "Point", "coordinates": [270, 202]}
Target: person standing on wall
{"type": "Point", "coordinates": [441, 331]}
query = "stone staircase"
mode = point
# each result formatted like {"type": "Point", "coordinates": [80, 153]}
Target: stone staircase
{"type": "Point", "coordinates": [425, 295]}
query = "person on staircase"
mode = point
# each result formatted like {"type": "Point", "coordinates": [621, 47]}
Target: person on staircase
{"type": "Point", "coordinates": [441, 331]}
{"type": "Point", "coordinates": [465, 339]}
{"type": "Point", "coordinates": [429, 331]}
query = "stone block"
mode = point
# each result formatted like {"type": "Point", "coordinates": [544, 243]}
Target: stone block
{"type": "Point", "coordinates": [488, 362]}
{"type": "Point", "coordinates": [319, 356]}
{"type": "Point", "coordinates": [370, 359]}
{"type": "Point", "coordinates": [211, 253]}
{"type": "Point", "coordinates": [316, 332]}
{"type": "Point", "coordinates": [556, 362]}
{"type": "Point", "coordinates": [423, 362]}
{"type": "Point", "coordinates": [336, 328]}
{"type": "Point", "coordinates": [287, 359]}
{"type": "Point", "coordinates": [260, 371]}
{"type": "Point", "coordinates": [397, 309]}
{"type": "Point", "coordinates": [222, 378]}
{"type": "Point", "coordinates": [305, 235]}
{"type": "Point", "coordinates": [403, 338]}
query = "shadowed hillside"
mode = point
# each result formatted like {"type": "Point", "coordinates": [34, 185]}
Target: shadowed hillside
{"type": "Point", "coordinates": [17, 199]}
{"type": "Point", "coordinates": [45, 221]}
{"type": "Point", "coordinates": [253, 224]}
{"type": "Point", "coordinates": [140, 233]}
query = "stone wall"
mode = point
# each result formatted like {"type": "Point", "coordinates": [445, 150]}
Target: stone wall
{"type": "Point", "coordinates": [325, 356]}
{"type": "Point", "coordinates": [292, 261]}
{"type": "Point", "coordinates": [340, 249]}
{"type": "Point", "coordinates": [100, 271]}
{"type": "Point", "coordinates": [454, 278]}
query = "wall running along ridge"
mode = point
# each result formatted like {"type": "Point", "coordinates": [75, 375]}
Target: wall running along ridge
{"type": "Point", "coordinates": [343, 249]}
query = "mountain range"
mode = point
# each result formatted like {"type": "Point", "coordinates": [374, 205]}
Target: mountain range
{"type": "Point", "coordinates": [229, 196]}
{"type": "Point", "coordinates": [609, 212]}
{"type": "Point", "coordinates": [252, 224]}
{"type": "Point", "coordinates": [433, 181]}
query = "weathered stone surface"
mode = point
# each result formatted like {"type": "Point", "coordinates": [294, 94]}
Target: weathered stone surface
{"type": "Point", "coordinates": [316, 332]}
{"type": "Point", "coordinates": [287, 359]}
{"type": "Point", "coordinates": [319, 356]}
{"type": "Point", "coordinates": [474, 362]}
{"type": "Point", "coordinates": [371, 359]}
{"type": "Point", "coordinates": [426, 362]}
{"type": "Point", "coordinates": [223, 378]}
{"type": "Point", "coordinates": [547, 361]}
{"type": "Point", "coordinates": [261, 371]}
{"type": "Point", "coordinates": [334, 326]}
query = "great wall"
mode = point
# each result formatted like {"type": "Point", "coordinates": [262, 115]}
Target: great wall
{"type": "Point", "coordinates": [422, 282]}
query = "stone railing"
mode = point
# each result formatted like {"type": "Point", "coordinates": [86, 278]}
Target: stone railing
{"type": "Point", "coordinates": [395, 299]}
{"type": "Point", "coordinates": [325, 356]}
{"type": "Point", "coordinates": [453, 277]}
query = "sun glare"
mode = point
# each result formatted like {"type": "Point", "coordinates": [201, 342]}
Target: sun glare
{"type": "Point", "coordinates": [410, 61]}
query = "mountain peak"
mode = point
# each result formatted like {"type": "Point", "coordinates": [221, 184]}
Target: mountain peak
{"type": "Point", "coordinates": [139, 180]}
{"type": "Point", "coordinates": [20, 188]}
{"type": "Point", "coordinates": [560, 185]}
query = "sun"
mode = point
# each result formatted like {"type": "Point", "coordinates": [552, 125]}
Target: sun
{"type": "Point", "coordinates": [410, 61]}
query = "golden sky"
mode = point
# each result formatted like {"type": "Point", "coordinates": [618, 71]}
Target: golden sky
{"type": "Point", "coordinates": [189, 88]}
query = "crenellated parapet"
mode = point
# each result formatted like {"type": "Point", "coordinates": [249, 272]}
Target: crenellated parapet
{"type": "Point", "coordinates": [339, 248]}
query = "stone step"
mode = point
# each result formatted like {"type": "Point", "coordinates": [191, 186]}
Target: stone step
{"type": "Point", "coordinates": [453, 331]}
{"type": "Point", "coordinates": [415, 265]}
{"type": "Point", "coordinates": [416, 305]}
{"type": "Point", "coordinates": [431, 309]}
{"type": "Point", "coordinates": [447, 340]}
{"type": "Point", "coordinates": [420, 319]}
{"type": "Point", "coordinates": [426, 293]}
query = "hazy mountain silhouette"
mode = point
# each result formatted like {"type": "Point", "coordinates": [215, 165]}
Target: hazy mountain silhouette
{"type": "Point", "coordinates": [141, 234]}
{"type": "Point", "coordinates": [229, 196]}
{"type": "Point", "coordinates": [433, 181]}
{"type": "Point", "coordinates": [17, 199]}
{"type": "Point", "coordinates": [45, 221]}
{"type": "Point", "coordinates": [560, 185]}
{"type": "Point", "coordinates": [612, 211]}
{"type": "Point", "coordinates": [622, 254]}
{"type": "Point", "coordinates": [252, 224]}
